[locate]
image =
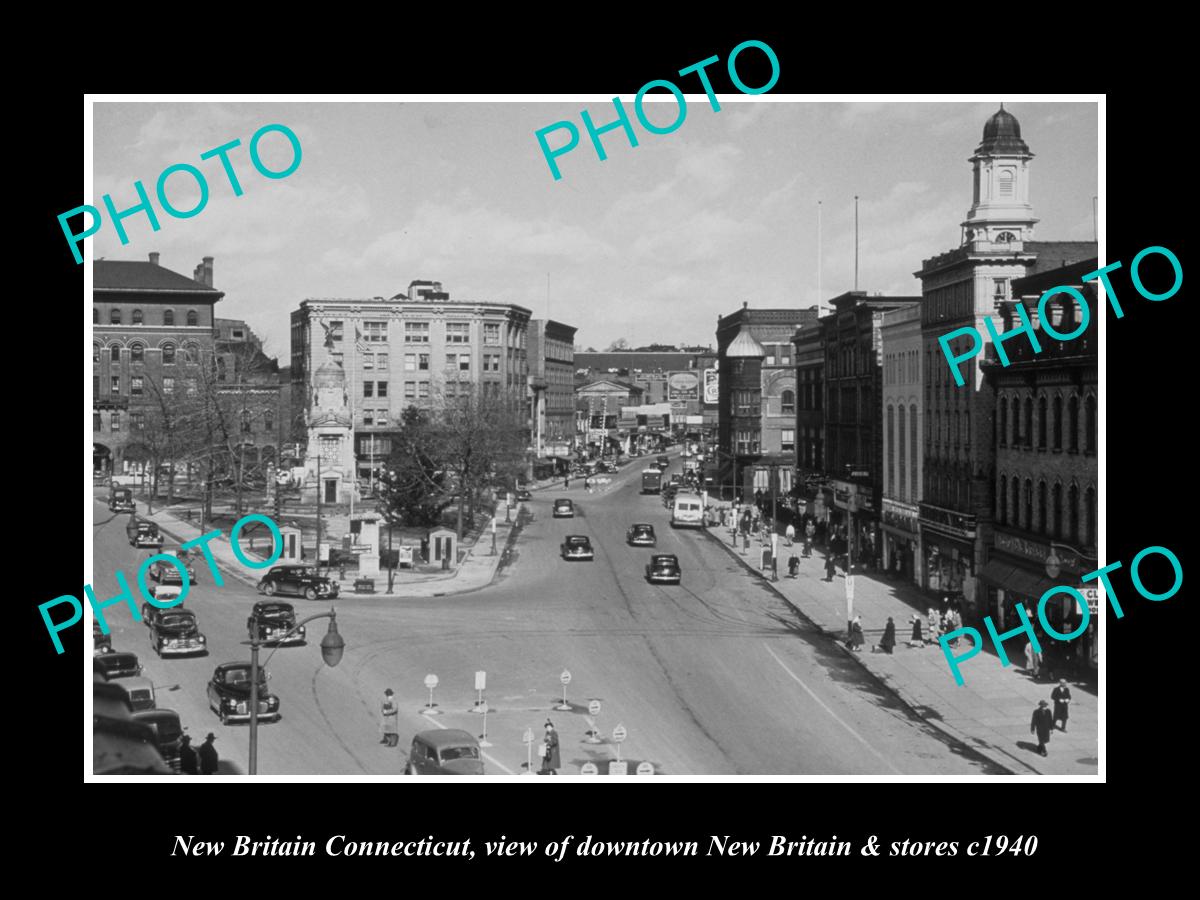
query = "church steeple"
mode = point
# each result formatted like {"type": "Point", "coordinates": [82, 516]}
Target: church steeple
{"type": "Point", "coordinates": [1001, 217]}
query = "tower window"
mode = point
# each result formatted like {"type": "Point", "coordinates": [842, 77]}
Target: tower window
{"type": "Point", "coordinates": [1007, 182]}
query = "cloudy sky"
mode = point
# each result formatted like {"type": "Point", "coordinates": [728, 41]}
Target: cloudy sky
{"type": "Point", "coordinates": [650, 245]}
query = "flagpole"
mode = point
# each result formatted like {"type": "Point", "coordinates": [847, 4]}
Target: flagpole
{"type": "Point", "coordinates": [353, 454]}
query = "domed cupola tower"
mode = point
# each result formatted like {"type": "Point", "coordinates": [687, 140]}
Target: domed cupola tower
{"type": "Point", "coordinates": [1001, 217]}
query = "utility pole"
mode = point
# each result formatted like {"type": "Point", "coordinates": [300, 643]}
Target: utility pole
{"type": "Point", "coordinates": [856, 242]}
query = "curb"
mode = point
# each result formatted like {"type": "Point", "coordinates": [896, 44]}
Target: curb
{"type": "Point", "coordinates": [1006, 763]}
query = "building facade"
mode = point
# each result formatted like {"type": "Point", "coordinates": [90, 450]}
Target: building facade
{"type": "Point", "coordinates": [250, 380]}
{"type": "Point", "coordinates": [551, 352]}
{"type": "Point", "coordinates": [417, 349]}
{"type": "Point", "coordinates": [152, 329]}
{"type": "Point", "coordinates": [1045, 526]}
{"type": "Point", "coordinates": [900, 347]}
{"type": "Point", "coordinates": [968, 287]}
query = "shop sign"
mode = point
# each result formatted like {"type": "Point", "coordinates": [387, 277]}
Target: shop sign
{"type": "Point", "coordinates": [1035, 550]}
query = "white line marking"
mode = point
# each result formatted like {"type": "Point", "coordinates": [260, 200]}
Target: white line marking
{"type": "Point", "coordinates": [860, 738]}
{"type": "Point", "coordinates": [485, 755]}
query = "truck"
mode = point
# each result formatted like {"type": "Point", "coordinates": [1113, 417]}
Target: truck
{"type": "Point", "coordinates": [651, 481]}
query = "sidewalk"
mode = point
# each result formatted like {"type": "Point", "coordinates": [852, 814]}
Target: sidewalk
{"type": "Point", "coordinates": [990, 712]}
{"type": "Point", "coordinates": [476, 570]}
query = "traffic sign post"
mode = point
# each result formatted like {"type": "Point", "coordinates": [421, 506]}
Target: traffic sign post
{"type": "Point", "coordinates": [483, 741]}
{"type": "Point", "coordinates": [431, 681]}
{"type": "Point", "coordinates": [645, 768]}
{"type": "Point", "coordinates": [528, 739]}
{"type": "Point", "coordinates": [565, 678]}
{"type": "Point", "coordinates": [480, 687]}
{"type": "Point", "coordinates": [619, 735]}
{"type": "Point", "coordinates": [593, 733]}
{"type": "Point", "coordinates": [589, 768]}
{"type": "Point", "coordinates": [616, 767]}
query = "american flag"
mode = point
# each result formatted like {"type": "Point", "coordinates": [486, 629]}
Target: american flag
{"type": "Point", "coordinates": [358, 341]}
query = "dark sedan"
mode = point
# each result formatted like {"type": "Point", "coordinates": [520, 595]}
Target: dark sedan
{"type": "Point", "coordinates": [663, 568]}
{"type": "Point", "coordinates": [564, 509]}
{"type": "Point", "coordinates": [175, 632]}
{"type": "Point", "coordinates": [641, 535]}
{"type": "Point", "coordinates": [168, 733]}
{"type": "Point", "coordinates": [576, 546]}
{"type": "Point", "coordinates": [523, 496]}
{"type": "Point", "coordinates": [299, 581]}
{"type": "Point", "coordinates": [229, 694]}
{"type": "Point", "coordinates": [165, 573]}
{"type": "Point", "coordinates": [116, 665]}
{"type": "Point", "coordinates": [270, 620]}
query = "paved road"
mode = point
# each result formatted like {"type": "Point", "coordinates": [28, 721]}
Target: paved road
{"type": "Point", "coordinates": [711, 677]}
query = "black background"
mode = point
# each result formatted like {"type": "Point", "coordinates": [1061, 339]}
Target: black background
{"type": "Point", "coordinates": [1148, 396]}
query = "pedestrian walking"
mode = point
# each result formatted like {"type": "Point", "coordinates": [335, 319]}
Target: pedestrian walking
{"type": "Point", "coordinates": [856, 639]}
{"type": "Point", "coordinates": [1042, 724]}
{"type": "Point", "coordinates": [1035, 660]}
{"type": "Point", "coordinates": [790, 533]}
{"type": "Point", "coordinates": [550, 758]}
{"type": "Point", "coordinates": [1061, 696]}
{"type": "Point", "coordinates": [745, 542]}
{"type": "Point", "coordinates": [931, 621]}
{"type": "Point", "coordinates": [793, 565]}
{"type": "Point", "coordinates": [208, 756]}
{"type": "Point", "coordinates": [389, 716]}
{"type": "Point", "coordinates": [189, 763]}
{"type": "Point", "coordinates": [917, 639]}
{"type": "Point", "coordinates": [567, 481]}
{"type": "Point", "coordinates": [766, 559]}
{"type": "Point", "coordinates": [888, 641]}
{"type": "Point", "coordinates": [830, 567]}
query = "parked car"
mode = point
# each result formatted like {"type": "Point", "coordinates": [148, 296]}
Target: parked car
{"type": "Point", "coordinates": [165, 573]}
{"type": "Point", "coordinates": [175, 632]}
{"type": "Point", "coordinates": [117, 664]}
{"type": "Point", "coordinates": [641, 535]}
{"type": "Point", "coordinates": [663, 568]}
{"type": "Point", "coordinates": [523, 496]}
{"type": "Point", "coordinates": [270, 620]}
{"type": "Point", "coordinates": [299, 581]}
{"type": "Point", "coordinates": [687, 511]}
{"type": "Point", "coordinates": [229, 694]}
{"type": "Point", "coordinates": [576, 546]}
{"type": "Point", "coordinates": [101, 642]}
{"type": "Point", "coordinates": [168, 733]}
{"type": "Point", "coordinates": [121, 500]}
{"type": "Point", "coordinates": [143, 534]}
{"type": "Point", "coordinates": [140, 692]}
{"type": "Point", "coordinates": [444, 752]}
{"type": "Point", "coordinates": [564, 509]}
{"type": "Point", "coordinates": [663, 461]}
{"type": "Point", "coordinates": [676, 479]}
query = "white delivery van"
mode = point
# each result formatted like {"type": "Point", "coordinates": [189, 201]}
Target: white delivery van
{"type": "Point", "coordinates": [687, 511]}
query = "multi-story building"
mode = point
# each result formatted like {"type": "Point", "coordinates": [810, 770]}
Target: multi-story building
{"type": "Point", "coordinates": [416, 349]}
{"type": "Point", "coordinates": [1045, 528]}
{"type": "Point", "coordinates": [756, 431]}
{"type": "Point", "coordinates": [900, 347]}
{"type": "Point", "coordinates": [551, 353]}
{"type": "Point", "coordinates": [250, 380]}
{"type": "Point", "coordinates": [854, 417]}
{"type": "Point", "coordinates": [967, 287]}
{"type": "Point", "coordinates": [151, 330]}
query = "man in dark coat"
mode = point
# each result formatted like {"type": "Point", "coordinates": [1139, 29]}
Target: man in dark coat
{"type": "Point", "coordinates": [830, 567]}
{"type": "Point", "coordinates": [1042, 724]}
{"type": "Point", "coordinates": [1061, 696]}
{"type": "Point", "coordinates": [208, 756]}
{"type": "Point", "coordinates": [189, 763]}
{"type": "Point", "coordinates": [551, 762]}
{"type": "Point", "coordinates": [888, 641]}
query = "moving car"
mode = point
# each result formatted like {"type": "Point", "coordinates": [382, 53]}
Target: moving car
{"type": "Point", "coordinates": [121, 500]}
{"type": "Point", "coordinates": [687, 511]}
{"type": "Point", "coordinates": [523, 496]}
{"type": "Point", "coordinates": [444, 752]}
{"type": "Point", "coordinates": [663, 461]}
{"type": "Point", "coordinates": [576, 546]}
{"type": "Point", "coordinates": [168, 733]}
{"type": "Point", "coordinates": [101, 642]}
{"type": "Point", "coordinates": [162, 593]}
{"type": "Point", "coordinates": [270, 620]}
{"type": "Point", "coordinates": [299, 581]}
{"type": "Point", "coordinates": [116, 665]}
{"type": "Point", "coordinates": [229, 694]}
{"type": "Point", "coordinates": [140, 692]}
{"type": "Point", "coordinates": [564, 509]}
{"type": "Point", "coordinates": [663, 568]}
{"type": "Point", "coordinates": [641, 535]}
{"type": "Point", "coordinates": [175, 632]}
{"type": "Point", "coordinates": [165, 573]}
{"type": "Point", "coordinates": [143, 534]}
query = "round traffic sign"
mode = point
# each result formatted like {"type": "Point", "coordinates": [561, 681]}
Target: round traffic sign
{"type": "Point", "coordinates": [594, 707]}
{"type": "Point", "coordinates": [565, 677]}
{"type": "Point", "coordinates": [589, 768]}
{"type": "Point", "coordinates": [528, 736]}
{"type": "Point", "coordinates": [619, 733]}
{"type": "Point", "coordinates": [645, 768]}
{"type": "Point", "coordinates": [431, 681]}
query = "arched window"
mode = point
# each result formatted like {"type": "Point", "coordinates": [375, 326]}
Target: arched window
{"type": "Point", "coordinates": [1027, 522]}
{"type": "Point", "coordinates": [957, 432]}
{"type": "Point", "coordinates": [137, 317]}
{"type": "Point", "coordinates": [137, 352]}
{"type": "Point", "coordinates": [1073, 424]}
{"type": "Point", "coordinates": [1015, 505]}
{"type": "Point", "coordinates": [890, 436]}
{"type": "Point", "coordinates": [114, 316]}
{"type": "Point", "coordinates": [1058, 410]}
{"type": "Point", "coordinates": [191, 353]}
{"type": "Point", "coordinates": [1028, 434]}
{"type": "Point", "coordinates": [1043, 518]}
{"type": "Point", "coordinates": [913, 482]}
{"type": "Point", "coordinates": [114, 353]}
{"type": "Point", "coordinates": [967, 430]}
{"type": "Point", "coordinates": [168, 317]}
{"type": "Point", "coordinates": [193, 318]}
{"type": "Point", "coordinates": [1007, 180]}
{"type": "Point", "coordinates": [1090, 422]}
{"type": "Point", "coordinates": [168, 354]}
{"type": "Point", "coordinates": [1090, 503]}
{"type": "Point", "coordinates": [1003, 422]}
{"type": "Point", "coordinates": [1041, 436]}
{"type": "Point", "coordinates": [1073, 514]}
{"type": "Point", "coordinates": [787, 403]}
{"type": "Point", "coordinates": [95, 353]}
{"type": "Point", "coordinates": [95, 316]}
{"type": "Point", "coordinates": [1002, 501]}
{"type": "Point", "coordinates": [901, 435]}
{"type": "Point", "coordinates": [1057, 500]}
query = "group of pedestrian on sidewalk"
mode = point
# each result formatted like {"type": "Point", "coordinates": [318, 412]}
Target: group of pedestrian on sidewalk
{"type": "Point", "coordinates": [198, 762]}
{"type": "Point", "coordinates": [1044, 722]}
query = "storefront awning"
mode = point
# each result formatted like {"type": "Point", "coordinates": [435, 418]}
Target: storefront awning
{"type": "Point", "coordinates": [1015, 580]}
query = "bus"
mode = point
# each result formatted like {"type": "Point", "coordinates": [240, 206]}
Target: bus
{"type": "Point", "coordinates": [687, 511]}
{"type": "Point", "coordinates": [651, 481]}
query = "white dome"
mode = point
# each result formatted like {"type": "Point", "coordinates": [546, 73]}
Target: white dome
{"type": "Point", "coordinates": [745, 346]}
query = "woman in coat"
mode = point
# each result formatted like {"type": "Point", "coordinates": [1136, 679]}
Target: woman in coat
{"type": "Point", "coordinates": [888, 641]}
{"type": "Point", "coordinates": [550, 758]}
{"type": "Point", "coordinates": [389, 714]}
{"type": "Point", "coordinates": [917, 639]}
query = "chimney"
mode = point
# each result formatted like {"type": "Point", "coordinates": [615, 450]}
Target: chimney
{"type": "Point", "coordinates": [154, 259]}
{"type": "Point", "coordinates": [208, 271]}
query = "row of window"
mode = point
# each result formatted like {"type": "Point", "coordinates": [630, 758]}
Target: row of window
{"type": "Point", "coordinates": [137, 317]}
{"type": "Point", "coordinates": [1049, 422]}
{"type": "Point", "coordinates": [137, 421]}
{"type": "Point", "coordinates": [946, 431]}
{"type": "Point", "coordinates": [137, 385]}
{"type": "Point", "coordinates": [1050, 510]}
{"type": "Point", "coordinates": [902, 368]}
{"type": "Point", "coordinates": [901, 477]}
{"type": "Point", "coordinates": [415, 332]}
{"type": "Point", "coordinates": [137, 353]}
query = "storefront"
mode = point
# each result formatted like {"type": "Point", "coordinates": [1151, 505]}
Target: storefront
{"type": "Point", "coordinates": [854, 511]}
{"type": "Point", "coordinates": [902, 539]}
{"type": "Point", "coordinates": [948, 554]}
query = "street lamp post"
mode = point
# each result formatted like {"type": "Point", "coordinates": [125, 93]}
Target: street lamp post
{"type": "Point", "coordinates": [332, 648]}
